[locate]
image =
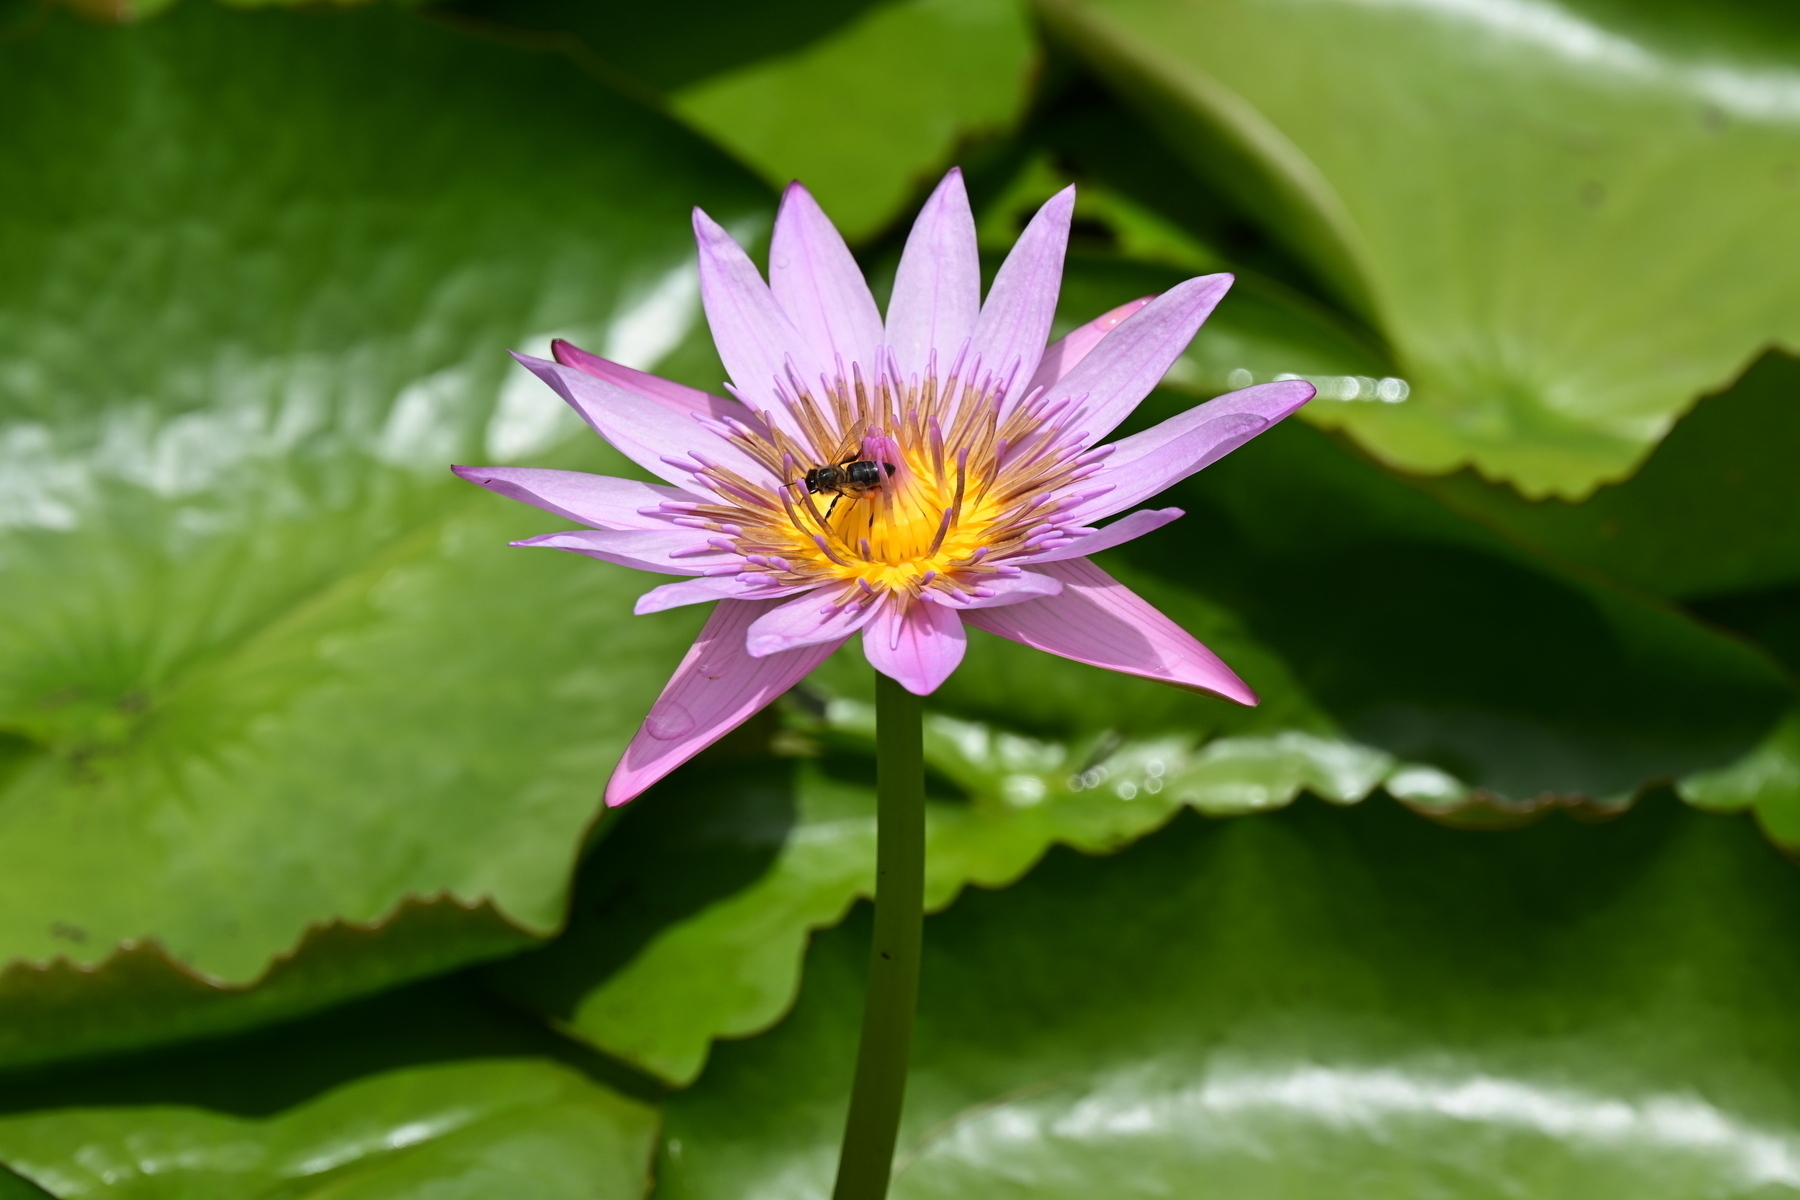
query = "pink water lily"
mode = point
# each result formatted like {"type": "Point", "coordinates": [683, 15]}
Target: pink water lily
{"type": "Point", "coordinates": [981, 481]}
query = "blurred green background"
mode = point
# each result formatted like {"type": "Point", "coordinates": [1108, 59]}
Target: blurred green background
{"type": "Point", "coordinates": [304, 887]}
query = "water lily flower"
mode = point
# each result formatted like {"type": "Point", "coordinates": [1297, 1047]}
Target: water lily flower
{"type": "Point", "coordinates": [896, 479]}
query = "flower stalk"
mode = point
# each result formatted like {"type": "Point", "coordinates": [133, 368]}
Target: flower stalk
{"type": "Point", "coordinates": [876, 1096]}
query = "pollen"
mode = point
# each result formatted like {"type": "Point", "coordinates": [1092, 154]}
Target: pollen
{"type": "Point", "coordinates": [968, 481]}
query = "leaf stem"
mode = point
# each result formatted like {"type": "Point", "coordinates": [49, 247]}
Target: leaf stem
{"type": "Point", "coordinates": [866, 1163]}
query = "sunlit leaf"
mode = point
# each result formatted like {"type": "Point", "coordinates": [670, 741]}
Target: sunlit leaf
{"type": "Point", "coordinates": [1348, 1003]}
{"type": "Point", "coordinates": [1568, 219]}
{"type": "Point", "coordinates": [265, 666]}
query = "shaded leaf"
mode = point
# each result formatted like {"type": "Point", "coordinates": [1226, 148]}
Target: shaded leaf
{"type": "Point", "coordinates": [863, 102]}
{"type": "Point", "coordinates": [1568, 220]}
{"type": "Point", "coordinates": [435, 1091]}
{"type": "Point", "coordinates": [1324, 1002]}
{"type": "Point", "coordinates": [1395, 644]}
{"type": "Point", "coordinates": [1430, 636]}
{"type": "Point", "coordinates": [1710, 513]}
{"type": "Point", "coordinates": [264, 665]}
{"type": "Point", "coordinates": [693, 916]}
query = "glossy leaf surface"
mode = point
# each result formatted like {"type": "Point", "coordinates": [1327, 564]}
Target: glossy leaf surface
{"type": "Point", "coordinates": [1560, 215]}
{"type": "Point", "coordinates": [1394, 644]}
{"type": "Point", "coordinates": [1711, 513]}
{"type": "Point", "coordinates": [692, 918]}
{"type": "Point", "coordinates": [1298, 1004]}
{"type": "Point", "coordinates": [265, 665]}
{"type": "Point", "coordinates": [434, 1091]}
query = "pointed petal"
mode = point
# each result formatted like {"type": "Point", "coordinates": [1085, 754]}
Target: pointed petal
{"type": "Point", "coordinates": [819, 286]}
{"type": "Point", "coordinates": [1015, 321]}
{"type": "Point", "coordinates": [917, 646]}
{"type": "Point", "coordinates": [937, 291]}
{"type": "Point", "coordinates": [1062, 355]}
{"type": "Point", "coordinates": [667, 392]}
{"type": "Point", "coordinates": [1133, 358]}
{"type": "Point", "coordinates": [807, 620]}
{"type": "Point", "coordinates": [599, 500]}
{"type": "Point", "coordinates": [717, 687]}
{"type": "Point", "coordinates": [641, 429]}
{"type": "Point", "coordinates": [1016, 589]}
{"type": "Point", "coordinates": [642, 550]}
{"type": "Point", "coordinates": [707, 588]}
{"type": "Point", "coordinates": [1133, 525]}
{"type": "Point", "coordinates": [1145, 463]}
{"type": "Point", "coordinates": [754, 337]}
{"type": "Point", "coordinates": [1099, 621]}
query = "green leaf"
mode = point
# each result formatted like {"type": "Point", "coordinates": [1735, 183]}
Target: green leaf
{"type": "Point", "coordinates": [1347, 1003]}
{"type": "Point", "coordinates": [1431, 637]}
{"type": "Point", "coordinates": [868, 116]}
{"type": "Point", "coordinates": [693, 916]}
{"type": "Point", "coordinates": [1567, 220]}
{"type": "Point", "coordinates": [265, 665]}
{"type": "Point", "coordinates": [1710, 513]}
{"type": "Point", "coordinates": [865, 103]}
{"type": "Point", "coordinates": [428, 1092]}
{"type": "Point", "coordinates": [1433, 658]}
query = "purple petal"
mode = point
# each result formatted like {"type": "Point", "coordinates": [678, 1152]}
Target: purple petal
{"type": "Point", "coordinates": [1062, 355]}
{"type": "Point", "coordinates": [667, 392]}
{"type": "Point", "coordinates": [1099, 621]}
{"type": "Point", "coordinates": [937, 291]}
{"type": "Point", "coordinates": [1133, 525]}
{"type": "Point", "coordinates": [705, 588]}
{"type": "Point", "coordinates": [640, 428]}
{"type": "Point", "coordinates": [717, 687]}
{"type": "Point", "coordinates": [819, 286]}
{"type": "Point", "coordinates": [1015, 321]}
{"type": "Point", "coordinates": [806, 620]}
{"type": "Point", "coordinates": [754, 337]}
{"type": "Point", "coordinates": [643, 550]}
{"type": "Point", "coordinates": [598, 500]}
{"type": "Point", "coordinates": [1015, 589]}
{"type": "Point", "coordinates": [918, 646]}
{"type": "Point", "coordinates": [1133, 358]}
{"type": "Point", "coordinates": [1145, 463]}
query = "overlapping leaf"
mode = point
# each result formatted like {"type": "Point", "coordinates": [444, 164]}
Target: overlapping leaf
{"type": "Point", "coordinates": [264, 665]}
{"type": "Point", "coordinates": [1560, 215]}
{"type": "Point", "coordinates": [429, 1092]}
{"type": "Point", "coordinates": [1348, 1003]}
{"type": "Point", "coordinates": [865, 102]}
{"type": "Point", "coordinates": [1395, 645]}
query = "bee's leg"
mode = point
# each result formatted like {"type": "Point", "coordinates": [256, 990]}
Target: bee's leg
{"type": "Point", "coordinates": [834, 504]}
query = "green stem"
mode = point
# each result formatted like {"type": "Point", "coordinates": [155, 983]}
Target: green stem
{"type": "Point", "coordinates": [875, 1098]}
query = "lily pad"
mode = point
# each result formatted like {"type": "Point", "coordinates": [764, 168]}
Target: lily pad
{"type": "Point", "coordinates": [1432, 637]}
{"type": "Point", "coordinates": [867, 103]}
{"type": "Point", "coordinates": [1395, 645]}
{"type": "Point", "coordinates": [1568, 220]}
{"type": "Point", "coordinates": [436, 1092]}
{"type": "Point", "coordinates": [265, 666]}
{"type": "Point", "coordinates": [1317, 1002]}
{"type": "Point", "coordinates": [694, 914]}
{"type": "Point", "coordinates": [1710, 514]}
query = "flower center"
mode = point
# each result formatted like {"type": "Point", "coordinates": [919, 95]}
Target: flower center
{"type": "Point", "coordinates": [928, 485]}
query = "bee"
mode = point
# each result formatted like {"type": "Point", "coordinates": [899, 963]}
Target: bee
{"type": "Point", "coordinates": [852, 478]}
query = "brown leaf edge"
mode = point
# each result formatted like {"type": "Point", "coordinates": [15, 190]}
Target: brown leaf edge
{"type": "Point", "coordinates": [141, 995]}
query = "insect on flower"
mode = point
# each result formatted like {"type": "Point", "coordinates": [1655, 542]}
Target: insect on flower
{"type": "Point", "coordinates": [848, 478]}
{"type": "Point", "coordinates": [964, 459]}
